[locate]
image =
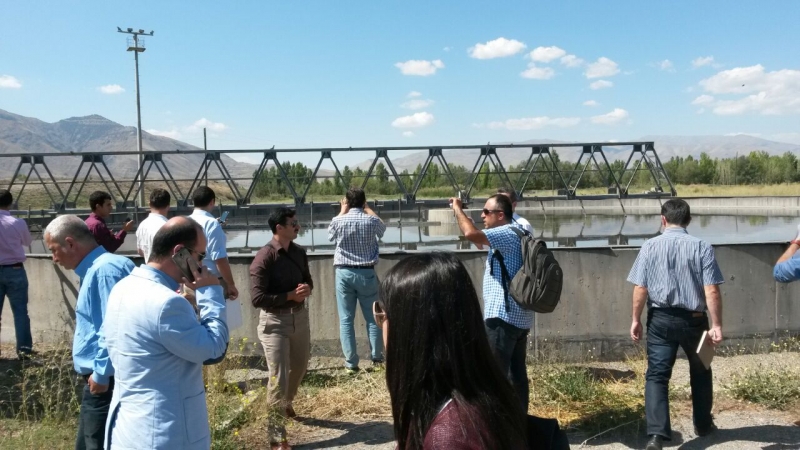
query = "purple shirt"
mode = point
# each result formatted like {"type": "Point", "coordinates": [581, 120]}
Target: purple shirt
{"type": "Point", "coordinates": [110, 241]}
{"type": "Point", "coordinates": [14, 237]}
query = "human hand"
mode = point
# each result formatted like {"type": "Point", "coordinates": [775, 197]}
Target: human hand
{"type": "Point", "coordinates": [344, 207]}
{"type": "Point", "coordinates": [456, 202]}
{"type": "Point", "coordinates": [190, 298]}
{"type": "Point", "coordinates": [233, 293]}
{"type": "Point", "coordinates": [202, 277]}
{"type": "Point", "coordinates": [128, 226]}
{"type": "Point", "coordinates": [636, 331]}
{"type": "Point", "coordinates": [303, 290]}
{"type": "Point", "coordinates": [96, 388]}
{"type": "Point", "coordinates": [716, 335]}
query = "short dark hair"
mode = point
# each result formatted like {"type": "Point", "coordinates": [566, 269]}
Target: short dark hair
{"type": "Point", "coordinates": [437, 350]}
{"type": "Point", "coordinates": [168, 236]}
{"type": "Point", "coordinates": [159, 198]}
{"type": "Point", "coordinates": [512, 194]}
{"type": "Point", "coordinates": [203, 196]}
{"type": "Point", "coordinates": [97, 198]}
{"type": "Point", "coordinates": [504, 204]}
{"type": "Point", "coordinates": [279, 216]}
{"type": "Point", "coordinates": [677, 212]}
{"type": "Point", "coordinates": [6, 199]}
{"type": "Point", "coordinates": [356, 198]}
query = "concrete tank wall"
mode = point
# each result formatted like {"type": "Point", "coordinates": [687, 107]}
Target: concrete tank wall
{"type": "Point", "coordinates": [595, 305]}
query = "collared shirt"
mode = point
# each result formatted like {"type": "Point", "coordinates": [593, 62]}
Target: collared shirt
{"type": "Point", "coordinates": [356, 235]}
{"type": "Point", "coordinates": [99, 271]}
{"type": "Point", "coordinates": [14, 237]}
{"type": "Point", "coordinates": [507, 242]}
{"type": "Point", "coordinates": [523, 223]}
{"type": "Point", "coordinates": [787, 271]}
{"type": "Point", "coordinates": [674, 268]}
{"type": "Point", "coordinates": [276, 271]}
{"type": "Point", "coordinates": [104, 236]}
{"type": "Point", "coordinates": [147, 231]}
{"type": "Point", "coordinates": [215, 237]}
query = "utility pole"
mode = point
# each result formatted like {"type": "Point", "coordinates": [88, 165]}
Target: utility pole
{"type": "Point", "coordinates": [136, 46]}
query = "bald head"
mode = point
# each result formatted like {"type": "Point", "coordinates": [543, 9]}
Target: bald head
{"type": "Point", "coordinates": [178, 231]}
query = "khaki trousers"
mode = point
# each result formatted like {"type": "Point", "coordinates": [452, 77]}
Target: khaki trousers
{"type": "Point", "coordinates": [286, 339]}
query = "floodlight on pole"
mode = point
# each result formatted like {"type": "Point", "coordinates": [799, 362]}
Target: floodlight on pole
{"type": "Point", "coordinates": [136, 46]}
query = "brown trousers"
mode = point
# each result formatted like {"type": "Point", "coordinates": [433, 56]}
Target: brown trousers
{"type": "Point", "coordinates": [286, 339]}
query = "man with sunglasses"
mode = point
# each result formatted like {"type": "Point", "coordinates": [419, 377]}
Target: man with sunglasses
{"type": "Point", "coordinates": [507, 324]}
{"type": "Point", "coordinates": [75, 248]}
{"type": "Point", "coordinates": [280, 283]}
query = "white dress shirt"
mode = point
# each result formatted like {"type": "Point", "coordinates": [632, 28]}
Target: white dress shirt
{"type": "Point", "coordinates": [147, 231]}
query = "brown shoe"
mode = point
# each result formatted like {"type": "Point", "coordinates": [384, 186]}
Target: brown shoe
{"type": "Point", "coordinates": [280, 446]}
{"type": "Point", "coordinates": [290, 412]}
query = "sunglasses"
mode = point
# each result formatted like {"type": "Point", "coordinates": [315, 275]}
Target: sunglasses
{"type": "Point", "coordinates": [200, 255]}
{"type": "Point", "coordinates": [486, 212]}
{"type": "Point", "coordinates": [294, 223]}
{"type": "Point", "coordinates": [380, 315]}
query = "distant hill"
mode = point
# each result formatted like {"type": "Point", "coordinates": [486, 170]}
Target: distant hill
{"type": "Point", "coordinates": [666, 147]}
{"type": "Point", "coordinates": [19, 134]}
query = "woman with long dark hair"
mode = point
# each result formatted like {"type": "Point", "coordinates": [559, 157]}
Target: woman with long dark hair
{"type": "Point", "coordinates": [446, 388]}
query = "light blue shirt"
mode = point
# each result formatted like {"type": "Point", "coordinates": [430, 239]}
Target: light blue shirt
{"type": "Point", "coordinates": [99, 272]}
{"type": "Point", "coordinates": [789, 270]}
{"type": "Point", "coordinates": [356, 235]}
{"type": "Point", "coordinates": [675, 267]}
{"type": "Point", "coordinates": [216, 239]}
{"type": "Point", "coordinates": [508, 243]}
{"type": "Point", "coordinates": [158, 345]}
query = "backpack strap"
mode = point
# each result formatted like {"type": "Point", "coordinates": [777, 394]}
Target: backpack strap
{"type": "Point", "coordinates": [503, 276]}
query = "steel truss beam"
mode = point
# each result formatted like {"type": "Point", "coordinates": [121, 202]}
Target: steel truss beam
{"type": "Point", "coordinates": [157, 160]}
{"type": "Point", "coordinates": [202, 173]}
{"type": "Point", "coordinates": [93, 161]}
{"type": "Point", "coordinates": [34, 161]}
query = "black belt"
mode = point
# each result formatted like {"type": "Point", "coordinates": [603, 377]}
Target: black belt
{"type": "Point", "coordinates": [678, 312]}
{"type": "Point", "coordinates": [11, 265]}
{"type": "Point", "coordinates": [356, 267]}
{"type": "Point", "coordinates": [291, 310]}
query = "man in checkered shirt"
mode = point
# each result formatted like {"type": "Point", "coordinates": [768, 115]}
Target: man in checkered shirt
{"type": "Point", "coordinates": [356, 231]}
{"type": "Point", "coordinates": [507, 325]}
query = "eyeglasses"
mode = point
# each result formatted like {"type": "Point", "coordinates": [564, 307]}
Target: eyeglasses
{"type": "Point", "coordinates": [200, 256]}
{"type": "Point", "coordinates": [380, 315]}
{"type": "Point", "coordinates": [295, 223]}
{"type": "Point", "coordinates": [486, 212]}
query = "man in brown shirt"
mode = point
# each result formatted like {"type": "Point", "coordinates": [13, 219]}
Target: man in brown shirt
{"type": "Point", "coordinates": [280, 282]}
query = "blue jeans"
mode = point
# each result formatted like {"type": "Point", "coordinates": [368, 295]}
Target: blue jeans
{"type": "Point", "coordinates": [14, 284]}
{"type": "Point", "coordinates": [668, 329]}
{"type": "Point", "coordinates": [92, 419]}
{"type": "Point", "coordinates": [510, 346]}
{"type": "Point", "coordinates": [357, 285]}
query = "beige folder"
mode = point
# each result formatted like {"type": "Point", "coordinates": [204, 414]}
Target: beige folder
{"type": "Point", "coordinates": [706, 350]}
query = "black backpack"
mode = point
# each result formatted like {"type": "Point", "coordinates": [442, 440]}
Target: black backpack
{"type": "Point", "coordinates": [537, 285]}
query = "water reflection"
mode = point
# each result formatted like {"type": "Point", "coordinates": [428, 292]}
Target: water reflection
{"type": "Point", "coordinates": [418, 232]}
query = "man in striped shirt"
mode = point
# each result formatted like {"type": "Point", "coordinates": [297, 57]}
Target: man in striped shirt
{"type": "Point", "coordinates": [678, 277]}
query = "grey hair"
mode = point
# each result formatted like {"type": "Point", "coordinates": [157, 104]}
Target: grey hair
{"type": "Point", "coordinates": [69, 225]}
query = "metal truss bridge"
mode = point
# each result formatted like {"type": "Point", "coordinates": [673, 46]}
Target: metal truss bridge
{"type": "Point", "coordinates": [35, 169]}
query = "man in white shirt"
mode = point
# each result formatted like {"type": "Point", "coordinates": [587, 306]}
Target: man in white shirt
{"type": "Point", "coordinates": [518, 220]}
{"type": "Point", "coordinates": [146, 231]}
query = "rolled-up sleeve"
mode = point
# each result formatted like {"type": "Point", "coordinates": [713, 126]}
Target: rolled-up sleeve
{"type": "Point", "coordinates": [711, 272]}
{"type": "Point", "coordinates": [181, 333]}
{"type": "Point", "coordinates": [787, 271]}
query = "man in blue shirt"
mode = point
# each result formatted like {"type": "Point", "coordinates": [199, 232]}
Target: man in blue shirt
{"type": "Point", "coordinates": [507, 324]}
{"type": "Point", "coordinates": [678, 277]}
{"type": "Point", "coordinates": [787, 268]}
{"type": "Point", "coordinates": [74, 247]}
{"type": "Point", "coordinates": [356, 231]}
{"type": "Point", "coordinates": [205, 200]}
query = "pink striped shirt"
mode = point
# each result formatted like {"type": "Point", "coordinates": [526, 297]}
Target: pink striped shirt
{"type": "Point", "coordinates": [14, 239]}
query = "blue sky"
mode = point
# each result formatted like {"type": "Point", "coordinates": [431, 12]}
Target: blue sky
{"type": "Point", "coordinates": [338, 74]}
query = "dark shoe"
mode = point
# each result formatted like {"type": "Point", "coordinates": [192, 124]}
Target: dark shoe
{"type": "Point", "coordinates": [26, 355]}
{"type": "Point", "coordinates": [352, 370]}
{"type": "Point", "coordinates": [705, 431]}
{"type": "Point", "coordinates": [655, 443]}
{"type": "Point", "coordinates": [290, 412]}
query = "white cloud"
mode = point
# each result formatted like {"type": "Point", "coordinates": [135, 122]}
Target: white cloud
{"type": "Point", "coordinates": [767, 93]}
{"type": "Point", "coordinates": [173, 133]}
{"type": "Point", "coordinates": [420, 67]}
{"type": "Point", "coordinates": [417, 104]}
{"type": "Point", "coordinates": [408, 134]}
{"type": "Point", "coordinates": [666, 65]}
{"type": "Point", "coordinates": [537, 73]}
{"type": "Point", "coordinates": [702, 61]}
{"type": "Point", "coordinates": [447, 49]}
{"type": "Point", "coordinates": [739, 133]}
{"type": "Point", "coordinates": [572, 61]}
{"type": "Point", "coordinates": [416, 120]}
{"type": "Point", "coordinates": [614, 117]}
{"type": "Point", "coordinates": [590, 103]}
{"type": "Point", "coordinates": [9, 82]}
{"type": "Point", "coordinates": [546, 54]}
{"type": "Point", "coordinates": [703, 100]}
{"type": "Point", "coordinates": [532, 123]}
{"type": "Point", "coordinates": [413, 94]}
{"type": "Point", "coordinates": [498, 48]}
{"type": "Point", "coordinates": [601, 84]}
{"type": "Point", "coordinates": [205, 123]}
{"type": "Point", "coordinates": [701, 111]}
{"type": "Point", "coordinates": [111, 89]}
{"type": "Point", "coordinates": [603, 67]}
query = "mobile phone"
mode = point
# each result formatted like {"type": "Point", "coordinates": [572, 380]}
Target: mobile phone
{"type": "Point", "coordinates": [224, 216]}
{"type": "Point", "coordinates": [185, 262]}
{"type": "Point", "coordinates": [128, 219]}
